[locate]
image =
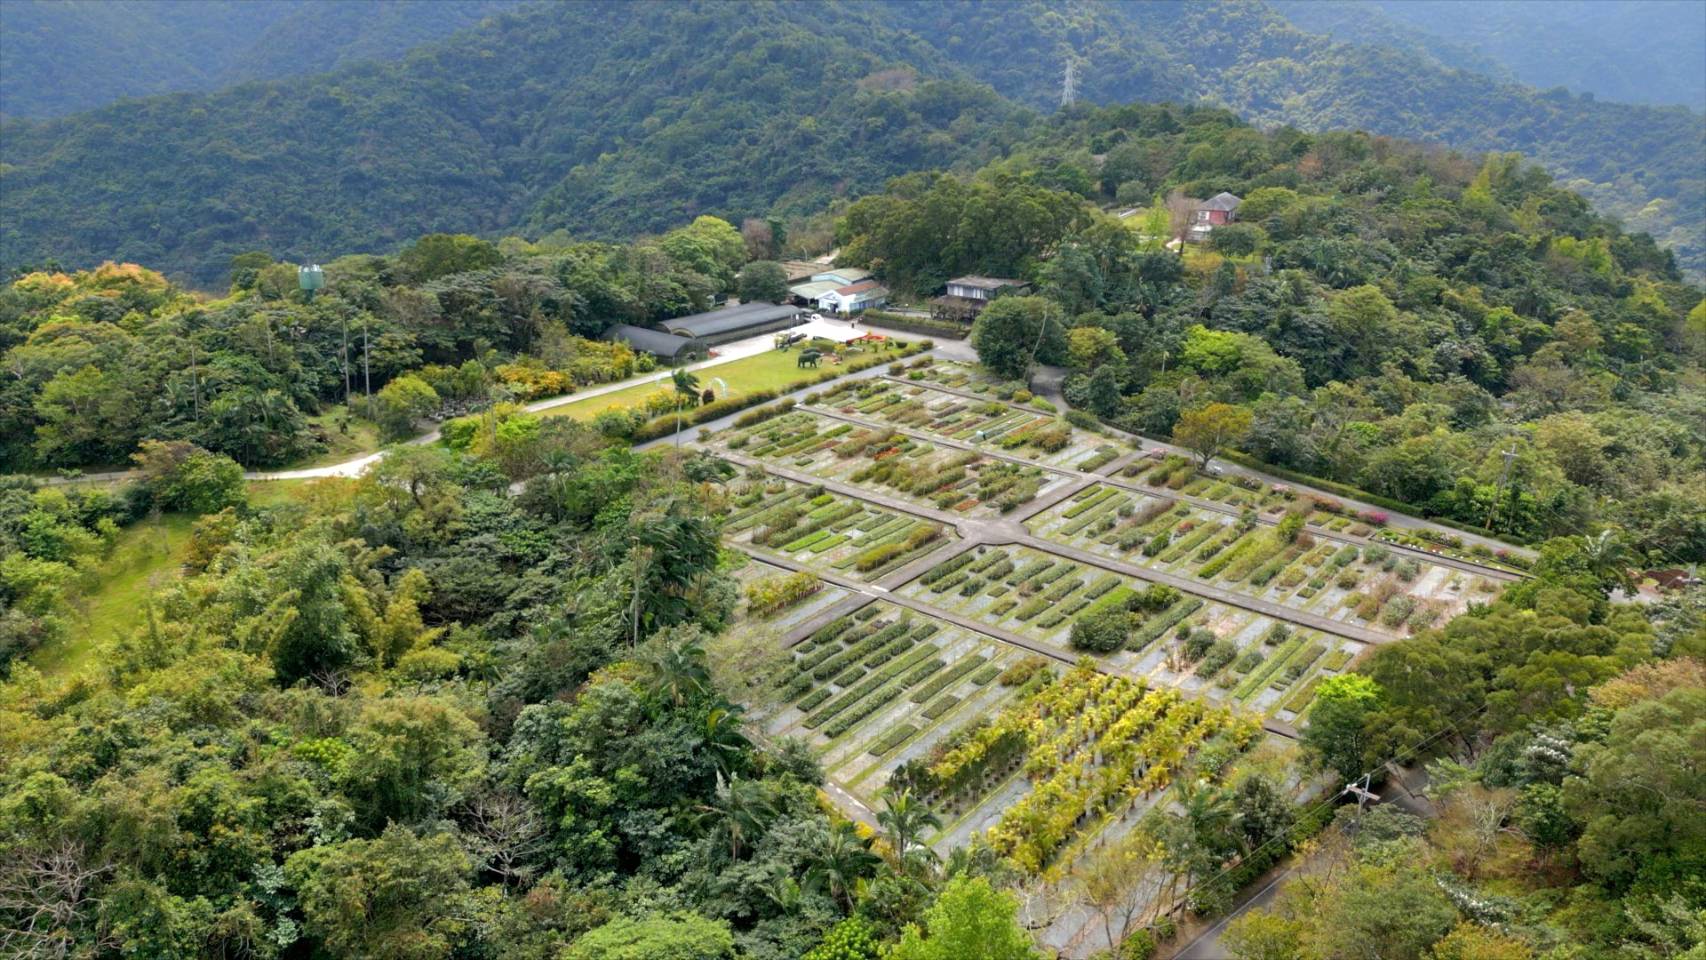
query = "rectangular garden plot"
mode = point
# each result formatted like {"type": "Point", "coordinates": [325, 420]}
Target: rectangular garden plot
{"type": "Point", "coordinates": [1170, 638]}
{"type": "Point", "coordinates": [816, 528]}
{"type": "Point", "coordinates": [865, 688]}
{"type": "Point", "coordinates": [966, 377]}
{"type": "Point", "coordinates": [1031, 434]}
{"type": "Point", "coordinates": [876, 459]}
{"type": "Point", "coordinates": [776, 599]}
{"type": "Point", "coordinates": [1065, 760]}
{"type": "Point", "coordinates": [1359, 584]}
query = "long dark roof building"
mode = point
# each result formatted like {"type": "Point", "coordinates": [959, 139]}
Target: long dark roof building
{"type": "Point", "coordinates": [734, 323]}
{"type": "Point", "coordinates": [664, 346]}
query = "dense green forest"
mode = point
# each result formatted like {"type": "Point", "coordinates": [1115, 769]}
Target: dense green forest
{"type": "Point", "coordinates": [483, 701]}
{"type": "Point", "coordinates": [100, 360]}
{"type": "Point", "coordinates": [1638, 163]}
{"type": "Point", "coordinates": [1645, 51]}
{"type": "Point", "coordinates": [740, 111]}
{"type": "Point", "coordinates": [62, 56]}
{"type": "Point", "coordinates": [1390, 317]}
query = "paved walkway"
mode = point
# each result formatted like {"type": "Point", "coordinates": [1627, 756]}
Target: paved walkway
{"type": "Point", "coordinates": [356, 466]}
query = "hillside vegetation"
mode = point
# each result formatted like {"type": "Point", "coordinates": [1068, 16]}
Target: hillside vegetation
{"type": "Point", "coordinates": [613, 119]}
{"type": "Point", "coordinates": [62, 56]}
{"type": "Point", "coordinates": [485, 700]}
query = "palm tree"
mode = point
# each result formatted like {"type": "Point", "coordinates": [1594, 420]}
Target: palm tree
{"type": "Point", "coordinates": [1210, 812]}
{"type": "Point", "coordinates": [558, 467]}
{"type": "Point", "coordinates": [1609, 558]}
{"type": "Point", "coordinates": [742, 809]}
{"type": "Point", "coordinates": [679, 671]}
{"type": "Point", "coordinates": [725, 740]}
{"type": "Point", "coordinates": [905, 820]}
{"type": "Point", "coordinates": [840, 860]}
{"type": "Point", "coordinates": [686, 391]}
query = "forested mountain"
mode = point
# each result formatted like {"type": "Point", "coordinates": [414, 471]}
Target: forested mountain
{"type": "Point", "coordinates": [1639, 163]}
{"type": "Point", "coordinates": [1641, 51]}
{"type": "Point", "coordinates": [504, 696]}
{"type": "Point", "coordinates": [62, 56]}
{"type": "Point", "coordinates": [610, 119]}
{"type": "Point", "coordinates": [605, 118]}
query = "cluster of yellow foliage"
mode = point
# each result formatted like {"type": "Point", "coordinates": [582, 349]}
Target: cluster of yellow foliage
{"type": "Point", "coordinates": [529, 382]}
{"type": "Point", "coordinates": [107, 280]}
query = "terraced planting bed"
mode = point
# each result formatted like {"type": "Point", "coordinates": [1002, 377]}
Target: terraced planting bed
{"type": "Point", "coordinates": [816, 528]}
{"type": "Point", "coordinates": [1032, 434]}
{"type": "Point", "coordinates": [1175, 640]}
{"type": "Point", "coordinates": [1369, 586]}
{"type": "Point", "coordinates": [875, 688]}
{"type": "Point", "coordinates": [1065, 760]}
{"type": "Point", "coordinates": [918, 471]}
{"type": "Point", "coordinates": [966, 377]}
{"type": "Point", "coordinates": [757, 576]}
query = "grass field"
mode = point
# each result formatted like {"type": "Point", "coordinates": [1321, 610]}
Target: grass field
{"type": "Point", "coordinates": [770, 370]}
{"type": "Point", "coordinates": [147, 556]}
{"type": "Point", "coordinates": [362, 439]}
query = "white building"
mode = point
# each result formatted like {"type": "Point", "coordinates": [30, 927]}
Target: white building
{"type": "Point", "coordinates": [854, 297]}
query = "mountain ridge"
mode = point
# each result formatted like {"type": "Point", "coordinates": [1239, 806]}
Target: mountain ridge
{"type": "Point", "coordinates": [534, 121]}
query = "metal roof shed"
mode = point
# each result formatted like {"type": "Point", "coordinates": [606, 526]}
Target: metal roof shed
{"type": "Point", "coordinates": [734, 323]}
{"type": "Point", "coordinates": [664, 346]}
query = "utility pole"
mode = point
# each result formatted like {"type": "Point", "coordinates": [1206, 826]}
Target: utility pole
{"type": "Point", "coordinates": [343, 359]}
{"type": "Point", "coordinates": [1031, 360]}
{"type": "Point", "coordinates": [366, 371]}
{"type": "Point", "coordinates": [1069, 83]}
{"type": "Point", "coordinates": [1359, 789]}
{"type": "Point", "coordinates": [195, 384]}
{"type": "Point", "coordinates": [1499, 492]}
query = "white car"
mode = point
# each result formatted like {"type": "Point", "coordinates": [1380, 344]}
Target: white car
{"type": "Point", "coordinates": [815, 317]}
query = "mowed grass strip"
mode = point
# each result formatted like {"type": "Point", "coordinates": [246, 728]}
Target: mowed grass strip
{"type": "Point", "coordinates": [770, 370]}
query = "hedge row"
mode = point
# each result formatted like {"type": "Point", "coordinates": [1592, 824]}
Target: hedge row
{"type": "Point", "coordinates": [665, 425]}
{"type": "Point", "coordinates": [926, 326]}
{"type": "Point", "coordinates": [1152, 629]}
{"type": "Point", "coordinates": [944, 569]}
{"type": "Point", "coordinates": [935, 710]}
{"type": "Point", "coordinates": [895, 738]}
{"type": "Point", "coordinates": [947, 679]}
{"type": "Point", "coordinates": [849, 697]}
{"type": "Point", "coordinates": [859, 651]}
{"type": "Point", "coordinates": [876, 701]}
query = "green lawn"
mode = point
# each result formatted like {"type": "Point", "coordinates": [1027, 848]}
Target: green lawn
{"type": "Point", "coordinates": [147, 556]}
{"type": "Point", "coordinates": [362, 439]}
{"type": "Point", "coordinates": [770, 370]}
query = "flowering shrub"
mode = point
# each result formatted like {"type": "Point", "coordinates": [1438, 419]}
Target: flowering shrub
{"type": "Point", "coordinates": [771, 594]}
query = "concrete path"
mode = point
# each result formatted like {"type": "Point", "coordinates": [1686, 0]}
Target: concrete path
{"type": "Point", "coordinates": [356, 466]}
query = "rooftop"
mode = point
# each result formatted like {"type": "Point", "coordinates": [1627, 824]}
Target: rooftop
{"type": "Point", "coordinates": [798, 270]}
{"type": "Point", "coordinates": [1220, 201]}
{"type": "Point", "coordinates": [849, 274]}
{"type": "Point", "coordinates": [815, 289]}
{"type": "Point", "coordinates": [655, 342]}
{"type": "Point", "coordinates": [738, 317]}
{"type": "Point", "coordinates": [862, 286]}
{"type": "Point", "coordinates": [986, 283]}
